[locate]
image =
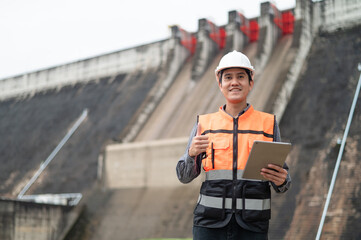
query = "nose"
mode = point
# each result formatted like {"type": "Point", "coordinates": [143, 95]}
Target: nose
{"type": "Point", "coordinates": [234, 82]}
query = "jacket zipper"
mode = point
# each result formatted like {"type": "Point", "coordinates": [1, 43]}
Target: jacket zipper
{"type": "Point", "coordinates": [235, 157]}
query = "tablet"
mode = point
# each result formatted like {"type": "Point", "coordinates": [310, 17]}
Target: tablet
{"type": "Point", "coordinates": [262, 154]}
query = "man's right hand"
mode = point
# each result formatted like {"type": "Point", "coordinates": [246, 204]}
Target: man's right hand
{"type": "Point", "coordinates": [199, 143]}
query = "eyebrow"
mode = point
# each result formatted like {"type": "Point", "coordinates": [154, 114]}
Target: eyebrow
{"type": "Point", "coordinates": [239, 73]}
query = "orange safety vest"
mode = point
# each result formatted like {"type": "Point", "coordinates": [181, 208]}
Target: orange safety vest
{"type": "Point", "coordinates": [225, 192]}
{"type": "Point", "coordinates": [222, 128]}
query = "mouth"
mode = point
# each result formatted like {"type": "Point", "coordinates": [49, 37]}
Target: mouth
{"type": "Point", "coordinates": [235, 89]}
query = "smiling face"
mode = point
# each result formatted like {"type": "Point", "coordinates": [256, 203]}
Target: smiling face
{"type": "Point", "coordinates": [235, 86]}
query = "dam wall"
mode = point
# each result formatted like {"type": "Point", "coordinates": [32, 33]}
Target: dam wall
{"type": "Point", "coordinates": [126, 61]}
{"type": "Point", "coordinates": [311, 18]}
{"type": "Point", "coordinates": [143, 103]}
{"type": "Point", "coordinates": [340, 14]}
{"type": "Point", "coordinates": [21, 220]}
{"type": "Point", "coordinates": [143, 164]}
{"type": "Point", "coordinates": [303, 37]}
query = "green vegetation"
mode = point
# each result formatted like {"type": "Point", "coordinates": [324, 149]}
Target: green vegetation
{"type": "Point", "coordinates": [167, 239]}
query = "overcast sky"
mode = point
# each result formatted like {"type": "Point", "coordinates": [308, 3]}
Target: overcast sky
{"type": "Point", "coordinates": [37, 34]}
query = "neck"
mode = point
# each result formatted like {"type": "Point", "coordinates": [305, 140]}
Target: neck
{"type": "Point", "coordinates": [235, 109]}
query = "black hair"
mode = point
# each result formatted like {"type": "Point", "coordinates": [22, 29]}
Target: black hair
{"type": "Point", "coordinates": [246, 69]}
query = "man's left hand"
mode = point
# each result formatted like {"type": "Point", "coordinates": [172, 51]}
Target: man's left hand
{"type": "Point", "coordinates": [275, 174]}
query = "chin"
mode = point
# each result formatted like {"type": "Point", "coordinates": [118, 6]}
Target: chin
{"type": "Point", "coordinates": [236, 98]}
{"type": "Point", "coordinates": [236, 101]}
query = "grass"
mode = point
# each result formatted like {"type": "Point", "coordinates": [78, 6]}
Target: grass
{"type": "Point", "coordinates": [167, 239]}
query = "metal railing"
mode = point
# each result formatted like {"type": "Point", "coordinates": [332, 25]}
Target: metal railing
{"type": "Point", "coordinates": [53, 153]}
{"type": "Point", "coordinates": [66, 199]}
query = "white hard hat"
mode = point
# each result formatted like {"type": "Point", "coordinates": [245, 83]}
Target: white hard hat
{"type": "Point", "coordinates": [234, 59]}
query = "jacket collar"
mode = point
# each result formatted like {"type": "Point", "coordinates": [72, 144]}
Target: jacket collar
{"type": "Point", "coordinates": [243, 114]}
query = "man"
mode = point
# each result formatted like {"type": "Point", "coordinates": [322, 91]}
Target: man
{"type": "Point", "coordinates": [230, 207]}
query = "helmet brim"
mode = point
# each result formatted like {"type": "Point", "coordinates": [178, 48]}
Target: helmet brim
{"type": "Point", "coordinates": [217, 71]}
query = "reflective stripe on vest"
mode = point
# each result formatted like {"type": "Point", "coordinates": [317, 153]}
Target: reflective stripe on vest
{"type": "Point", "coordinates": [223, 174]}
{"type": "Point", "coordinates": [251, 204]}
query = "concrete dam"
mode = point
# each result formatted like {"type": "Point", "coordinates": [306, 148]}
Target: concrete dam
{"type": "Point", "coordinates": [141, 104]}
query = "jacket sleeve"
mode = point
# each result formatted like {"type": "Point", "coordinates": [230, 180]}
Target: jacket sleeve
{"type": "Point", "coordinates": [188, 168]}
{"type": "Point", "coordinates": [287, 184]}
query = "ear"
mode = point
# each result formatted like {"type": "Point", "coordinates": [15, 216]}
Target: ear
{"type": "Point", "coordinates": [251, 83]}
{"type": "Point", "coordinates": [220, 85]}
